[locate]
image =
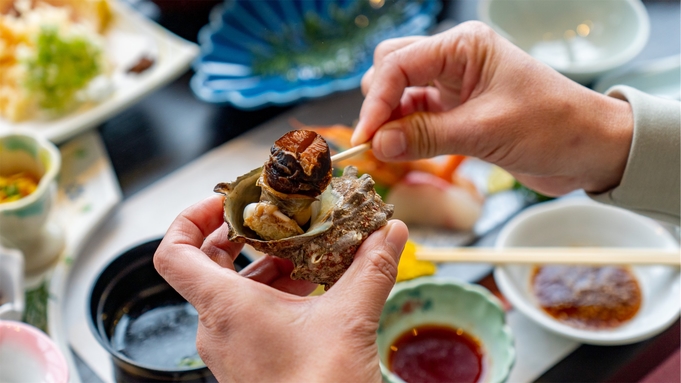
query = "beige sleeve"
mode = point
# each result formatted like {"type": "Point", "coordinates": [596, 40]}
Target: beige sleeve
{"type": "Point", "coordinates": [651, 180]}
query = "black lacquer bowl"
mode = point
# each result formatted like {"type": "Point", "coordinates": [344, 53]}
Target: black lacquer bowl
{"type": "Point", "coordinates": [146, 326]}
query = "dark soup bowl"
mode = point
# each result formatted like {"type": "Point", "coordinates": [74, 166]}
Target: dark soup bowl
{"type": "Point", "coordinates": [146, 326]}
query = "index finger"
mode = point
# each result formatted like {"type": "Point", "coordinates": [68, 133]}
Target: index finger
{"type": "Point", "coordinates": [415, 64]}
{"type": "Point", "coordinates": [179, 259]}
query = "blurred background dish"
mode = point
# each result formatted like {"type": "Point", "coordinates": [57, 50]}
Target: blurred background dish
{"type": "Point", "coordinates": [661, 78]}
{"type": "Point", "coordinates": [581, 39]}
{"type": "Point", "coordinates": [256, 53]}
{"type": "Point", "coordinates": [29, 166]}
{"type": "Point", "coordinates": [28, 355]}
{"type": "Point", "coordinates": [461, 323]}
{"type": "Point", "coordinates": [11, 283]}
{"type": "Point", "coordinates": [604, 306]}
{"type": "Point", "coordinates": [137, 57]}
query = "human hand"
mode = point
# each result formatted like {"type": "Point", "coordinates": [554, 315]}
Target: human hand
{"type": "Point", "coordinates": [259, 325]}
{"type": "Point", "coordinates": [469, 91]}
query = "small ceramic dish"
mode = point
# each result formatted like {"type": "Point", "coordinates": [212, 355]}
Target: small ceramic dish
{"type": "Point", "coordinates": [661, 78]}
{"type": "Point", "coordinates": [28, 223]}
{"type": "Point", "coordinates": [28, 355]}
{"type": "Point", "coordinates": [454, 304]}
{"type": "Point", "coordinates": [11, 283]}
{"type": "Point", "coordinates": [579, 221]}
{"type": "Point", "coordinates": [255, 53]}
{"type": "Point", "coordinates": [581, 39]}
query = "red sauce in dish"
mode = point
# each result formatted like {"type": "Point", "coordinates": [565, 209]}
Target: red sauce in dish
{"type": "Point", "coordinates": [436, 354]}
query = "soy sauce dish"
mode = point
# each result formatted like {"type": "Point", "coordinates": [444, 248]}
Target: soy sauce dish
{"type": "Point", "coordinates": [444, 330]}
{"type": "Point", "coordinates": [601, 305]}
{"type": "Point", "coordinates": [146, 326]}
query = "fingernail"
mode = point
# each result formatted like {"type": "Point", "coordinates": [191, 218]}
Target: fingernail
{"type": "Point", "coordinates": [357, 137]}
{"type": "Point", "coordinates": [392, 142]}
{"type": "Point", "coordinates": [396, 238]}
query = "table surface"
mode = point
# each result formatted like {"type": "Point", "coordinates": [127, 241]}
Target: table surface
{"type": "Point", "coordinates": [170, 128]}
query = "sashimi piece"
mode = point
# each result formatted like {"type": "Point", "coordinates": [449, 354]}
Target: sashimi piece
{"type": "Point", "coordinates": [424, 199]}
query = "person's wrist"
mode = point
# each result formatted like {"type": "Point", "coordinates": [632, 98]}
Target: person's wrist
{"type": "Point", "coordinates": [613, 125]}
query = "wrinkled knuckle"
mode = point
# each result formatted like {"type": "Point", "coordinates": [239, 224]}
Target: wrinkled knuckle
{"type": "Point", "coordinates": [426, 144]}
{"type": "Point", "coordinates": [383, 264]}
{"type": "Point", "coordinates": [215, 321]}
{"type": "Point", "coordinates": [382, 49]}
{"type": "Point", "coordinates": [476, 27]}
{"type": "Point", "coordinates": [358, 325]}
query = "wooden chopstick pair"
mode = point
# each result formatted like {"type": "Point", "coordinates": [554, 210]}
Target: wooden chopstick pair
{"type": "Point", "coordinates": [553, 255]}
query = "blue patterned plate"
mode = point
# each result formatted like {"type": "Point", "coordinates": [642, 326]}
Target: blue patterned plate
{"type": "Point", "coordinates": [256, 53]}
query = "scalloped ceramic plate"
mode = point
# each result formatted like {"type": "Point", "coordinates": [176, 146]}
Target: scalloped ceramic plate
{"type": "Point", "coordinates": [239, 28]}
{"type": "Point", "coordinates": [581, 222]}
{"type": "Point", "coordinates": [453, 303]}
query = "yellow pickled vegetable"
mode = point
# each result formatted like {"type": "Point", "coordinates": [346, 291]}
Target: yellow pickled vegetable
{"type": "Point", "coordinates": [410, 267]}
{"type": "Point", "coordinates": [499, 180]}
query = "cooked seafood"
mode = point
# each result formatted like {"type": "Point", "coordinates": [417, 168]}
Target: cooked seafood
{"type": "Point", "coordinates": [269, 207]}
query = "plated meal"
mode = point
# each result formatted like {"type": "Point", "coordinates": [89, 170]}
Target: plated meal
{"type": "Point", "coordinates": [51, 53]}
{"type": "Point", "coordinates": [68, 65]}
{"type": "Point", "coordinates": [293, 208]}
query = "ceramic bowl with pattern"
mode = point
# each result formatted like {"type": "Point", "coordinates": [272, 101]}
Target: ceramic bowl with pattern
{"type": "Point", "coordinates": [27, 223]}
{"type": "Point", "coordinates": [256, 53]}
{"type": "Point", "coordinates": [449, 303]}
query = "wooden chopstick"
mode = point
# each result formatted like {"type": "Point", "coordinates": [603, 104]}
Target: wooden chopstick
{"type": "Point", "coordinates": [553, 255]}
{"type": "Point", "coordinates": [351, 152]}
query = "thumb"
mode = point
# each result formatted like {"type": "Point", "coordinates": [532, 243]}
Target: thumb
{"type": "Point", "coordinates": [368, 281]}
{"type": "Point", "coordinates": [417, 135]}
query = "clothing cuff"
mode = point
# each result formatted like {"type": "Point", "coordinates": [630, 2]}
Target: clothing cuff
{"type": "Point", "coordinates": [652, 177]}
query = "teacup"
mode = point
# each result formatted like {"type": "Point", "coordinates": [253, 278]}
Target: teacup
{"type": "Point", "coordinates": [26, 223]}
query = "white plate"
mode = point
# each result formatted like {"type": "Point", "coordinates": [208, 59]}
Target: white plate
{"type": "Point", "coordinates": [88, 191]}
{"type": "Point", "coordinates": [129, 38]}
{"type": "Point", "coordinates": [580, 221]}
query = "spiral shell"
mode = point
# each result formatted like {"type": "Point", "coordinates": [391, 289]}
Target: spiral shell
{"type": "Point", "coordinates": [344, 215]}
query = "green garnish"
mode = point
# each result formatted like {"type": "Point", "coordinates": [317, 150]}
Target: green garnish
{"type": "Point", "coordinates": [60, 68]}
{"type": "Point", "coordinates": [529, 194]}
{"type": "Point", "coordinates": [194, 361]}
{"type": "Point", "coordinates": [35, 312]}
{"type": "Point", "coordinates": [330, 47]}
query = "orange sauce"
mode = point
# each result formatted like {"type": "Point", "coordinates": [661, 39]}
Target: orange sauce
{"type": "Point", "coordinates": [436, 354]}
{"type": "Point", "coordinates": [587, 297]}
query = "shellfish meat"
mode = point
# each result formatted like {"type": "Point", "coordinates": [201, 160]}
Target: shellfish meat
{"type": "Point", "coordinates": [315, 220]}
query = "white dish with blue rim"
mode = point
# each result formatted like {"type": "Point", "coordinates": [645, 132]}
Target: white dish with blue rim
{"type": "Point", "coordinates": [256, 53]}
